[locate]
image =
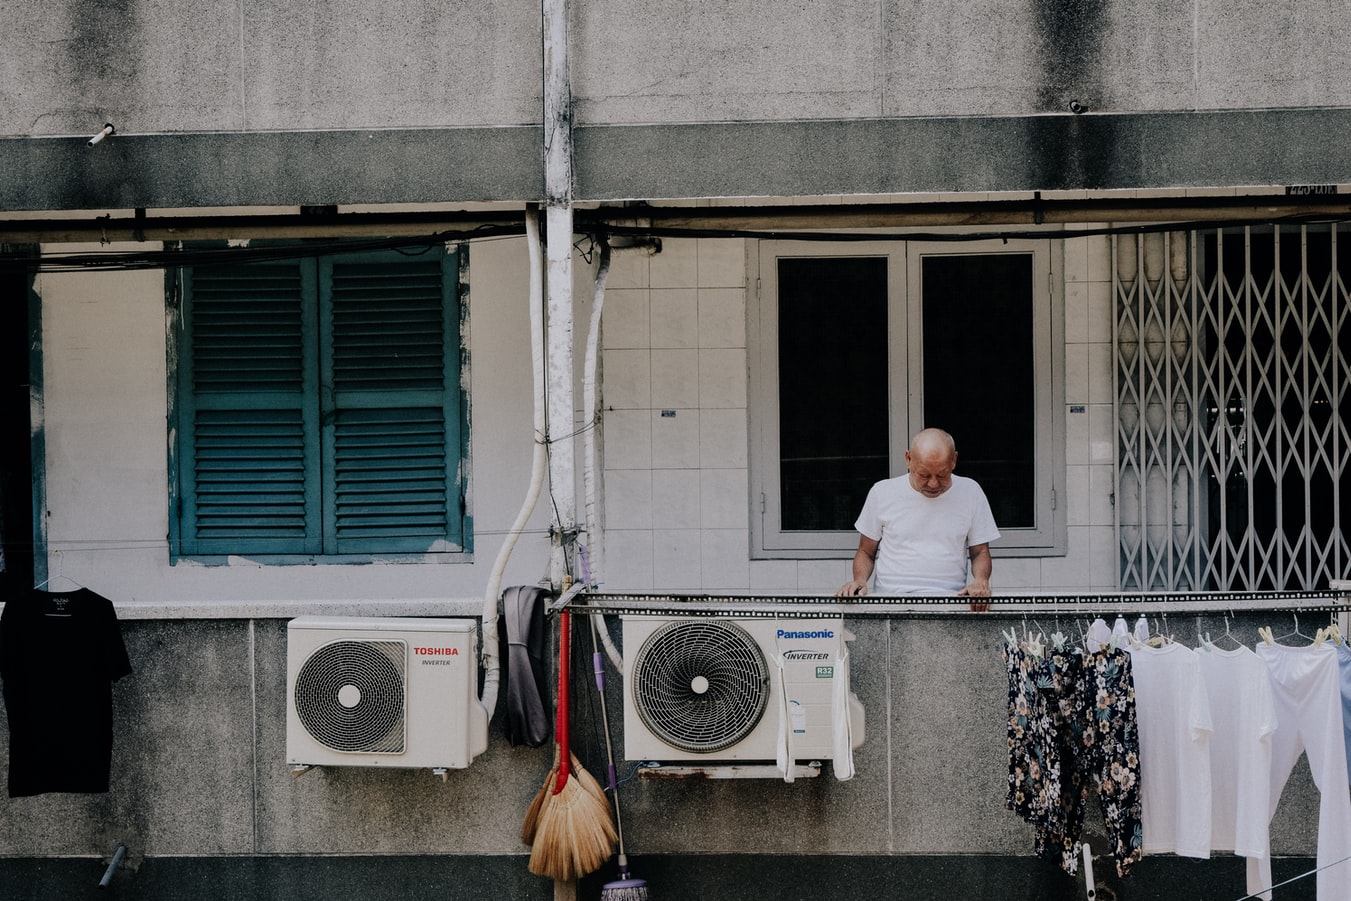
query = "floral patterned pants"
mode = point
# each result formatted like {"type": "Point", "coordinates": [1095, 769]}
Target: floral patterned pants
{"type": "Point", "coordinates": [1072, 734]}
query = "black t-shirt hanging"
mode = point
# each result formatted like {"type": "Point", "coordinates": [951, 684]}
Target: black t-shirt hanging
{"type": "Point", "coordinates": [60, 653]}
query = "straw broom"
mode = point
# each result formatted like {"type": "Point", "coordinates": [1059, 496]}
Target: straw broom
{"type": "Point", "coordinates": [532, 813]}
{"type": "Point", "coordinates": [541, 800]}
{"type": "Point", "coordinates": [574, 833]}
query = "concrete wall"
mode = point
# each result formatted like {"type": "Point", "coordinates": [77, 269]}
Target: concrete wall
{"type": "Point", "coordinates": [199, 777]}
{"type": "Point", "coordinates": [210, 67]}
{"type": "Point", "coordinates": [307, 104]}
{"type": "Point", "coordinates": [204, 67]}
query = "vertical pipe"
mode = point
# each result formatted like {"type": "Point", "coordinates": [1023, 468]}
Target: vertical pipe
{"type": "Point", "coordinates": [492, 651]}
{"type": "Point", "coordinates": [557, 117]}
{"type": "Point", "coordinates": [557, 107]}
{"type": "Point", "coordinates": [562, 465]}
{"type": "Point", "coordinates": [591, 419]}
{"type": "Point", "coordinates": [558, 303]}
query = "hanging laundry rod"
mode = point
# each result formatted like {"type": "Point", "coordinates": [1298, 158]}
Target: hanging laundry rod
{"type": "Point", "coordinates": [901, 607]}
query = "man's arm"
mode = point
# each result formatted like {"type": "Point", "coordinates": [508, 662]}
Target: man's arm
{"type": "Point", "coordinates": [981, 567]}
{"type": "Point", "coordinates": [864, 558]}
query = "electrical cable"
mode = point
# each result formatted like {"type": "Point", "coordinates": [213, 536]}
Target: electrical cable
{"type": "Point", "coordinates": [591, 228]}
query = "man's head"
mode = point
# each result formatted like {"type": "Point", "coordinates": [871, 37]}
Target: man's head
{"type": "Point", "coordinates": [931, 459]}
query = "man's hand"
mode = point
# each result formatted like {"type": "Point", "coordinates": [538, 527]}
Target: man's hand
{"type": "Point", "coordinates": [977, 589]}
{"type": "Point", "coordinates": [853, 589]}
{"type": "Point", "coordinates": [980, 576]}
{"type": "Point", "coordinates": [862, 569]}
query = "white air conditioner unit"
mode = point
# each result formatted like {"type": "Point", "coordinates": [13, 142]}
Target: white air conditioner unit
{"type": "Point", "coordinates": [712, 689]}
{"type": "Point", "coordinates": [383, 692]}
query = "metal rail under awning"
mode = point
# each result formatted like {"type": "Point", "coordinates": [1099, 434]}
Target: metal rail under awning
{"type": "Point", "coordinates": [1334, 600]}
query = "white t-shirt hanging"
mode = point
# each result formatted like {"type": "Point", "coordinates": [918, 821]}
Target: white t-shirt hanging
{"type": "Point", "coordinates": [1173, 712]}
{"type": "Point", "coordinates": [1238, 685]}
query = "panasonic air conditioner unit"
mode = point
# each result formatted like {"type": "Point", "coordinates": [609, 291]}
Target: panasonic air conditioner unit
{"type": "Point", "coordinates": [383, 692]}
{"type": "Point", "coordinates": [726, 689]}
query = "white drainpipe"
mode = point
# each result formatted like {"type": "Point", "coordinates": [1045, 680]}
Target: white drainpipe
{"type": "Point", "coordinates": [492, 655]}
{"type": "Point", "coordinates": [558, 237]}
{"type": "Point", "coordinates": [553, 375]}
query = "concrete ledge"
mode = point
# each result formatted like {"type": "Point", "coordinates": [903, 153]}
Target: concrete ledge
{"type": "Point", "coordinates": [969, 877]}
{"type": "Point", "coordinates": [272, 169]}
{"type": "Point", "coordinates": [1062, 152]}
{"type": "Point", "coordinates": [951, 154]}
{"type": "Point", "coordinates": [406, 878]}
{"type": "Point", "coordinates": [715, 876]}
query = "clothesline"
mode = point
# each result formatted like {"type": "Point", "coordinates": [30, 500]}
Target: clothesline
{"type": "Point", "coordinates": [900, 607]}
{"type": "Point", "coordinates": [1293, 879]}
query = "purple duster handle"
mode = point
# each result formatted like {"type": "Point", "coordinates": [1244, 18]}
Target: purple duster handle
{"type": "Point", "coordinates": [598, 662]}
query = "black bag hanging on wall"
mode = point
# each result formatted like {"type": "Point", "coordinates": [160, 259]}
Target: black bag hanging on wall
{"type": "Point", "coordinates": [525, 666]}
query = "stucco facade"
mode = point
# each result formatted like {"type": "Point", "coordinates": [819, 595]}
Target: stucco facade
{"type": "Point", "coordinates": [718, 129]}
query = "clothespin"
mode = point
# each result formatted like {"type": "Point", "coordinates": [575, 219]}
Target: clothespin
{"type": "Point", "coordinates": [1319, 637]}
{"type": "Point", "coordinates": [1265, 633]}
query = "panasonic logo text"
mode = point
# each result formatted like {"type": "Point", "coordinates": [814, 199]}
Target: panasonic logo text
{"type": "Point", "coordinates": [823, 633]}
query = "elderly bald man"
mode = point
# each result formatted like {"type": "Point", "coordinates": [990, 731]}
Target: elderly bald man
{"type": "Point", "coordinates": [918, 531]}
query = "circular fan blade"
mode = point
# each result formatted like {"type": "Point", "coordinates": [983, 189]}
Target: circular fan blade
{"type": "Point", "coordinates": [700, 685]}
{"type": "Point", "coordinates": [349, 696]}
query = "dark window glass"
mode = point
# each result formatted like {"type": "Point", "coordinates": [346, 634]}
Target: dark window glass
{"type": "Point", "coordinates": [833, 409]}
{"type": "Point", "coordinates": [978, 373]}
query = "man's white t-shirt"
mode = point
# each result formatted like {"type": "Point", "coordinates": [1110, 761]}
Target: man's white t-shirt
{"type": "Point", "coordinates": [923, 541]}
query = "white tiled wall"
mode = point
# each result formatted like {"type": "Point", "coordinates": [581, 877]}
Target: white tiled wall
{"type": "Point", "coordinates": [676, 478]}
{"type": "Point", "coordinates": [1089, 450]}
{"type": "Point", "coordinates": [675, 429]}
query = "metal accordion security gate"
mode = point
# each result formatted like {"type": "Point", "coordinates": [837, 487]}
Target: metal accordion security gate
{"type": "Point", "coordinates": [1233, 393]}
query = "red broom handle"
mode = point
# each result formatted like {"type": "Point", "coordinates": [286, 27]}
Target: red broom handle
{"type": "Point", "coordinates": [564, 748]}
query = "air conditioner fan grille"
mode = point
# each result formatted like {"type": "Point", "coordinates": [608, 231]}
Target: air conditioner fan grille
{"type": "Point", "coordinates": [701, 685]}
{"type": "Point", "coordinates": [349, 696]}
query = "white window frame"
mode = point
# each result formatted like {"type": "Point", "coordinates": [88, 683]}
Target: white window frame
{"type": "Point", "coordinates": [905, 366]}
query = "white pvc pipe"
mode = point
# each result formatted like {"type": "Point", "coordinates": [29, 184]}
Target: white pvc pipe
{"type": "Point", "coordinates": [492, 666]}
{"type": "Point", "coordinates": [595, 537]}
{"type": "Point", "coordinates": [595, 544]}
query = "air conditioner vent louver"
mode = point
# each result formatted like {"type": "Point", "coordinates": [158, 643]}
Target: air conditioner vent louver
{"type": "Point", "coordinates": [350, 696]}
{"type": "Point", "coordinates": [701, 685]}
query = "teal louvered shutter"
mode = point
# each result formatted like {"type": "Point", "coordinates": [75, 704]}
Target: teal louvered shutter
{"type": "Point", "coordinates": [248, 414]}
{"type": "Point", "coordinates": [392, 402]}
